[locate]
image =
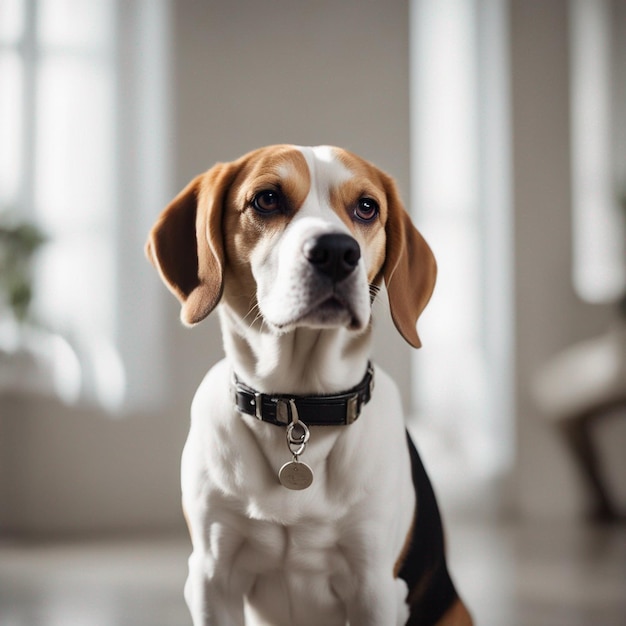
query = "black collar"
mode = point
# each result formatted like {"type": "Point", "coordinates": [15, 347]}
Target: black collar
{"type": "Point", "coordinates": [328, 410]}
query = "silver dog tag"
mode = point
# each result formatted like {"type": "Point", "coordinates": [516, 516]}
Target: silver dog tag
{"type": "Point", "coordinates": [295, 475]}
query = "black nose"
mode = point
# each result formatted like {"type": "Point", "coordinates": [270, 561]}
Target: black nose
{"type": "Point", "coordinates": [334, 255]}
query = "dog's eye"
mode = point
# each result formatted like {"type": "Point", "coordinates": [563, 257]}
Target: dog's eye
{"type": "Point", "coordinates": [267, 201]}
{"type": "Point", "coordinates": [366, 209]}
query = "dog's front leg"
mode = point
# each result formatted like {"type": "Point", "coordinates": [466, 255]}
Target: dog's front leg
{"type": "Point", "coordinates": [215, 588]}
{"type": "Point", "coordinates": [213, 597]}
{"type": "Point", "coordinates": [378, 600]}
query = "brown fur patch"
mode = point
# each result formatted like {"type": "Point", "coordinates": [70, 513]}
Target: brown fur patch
{"type": "Point", "coordinates": [281, 168]}
{"type": "Point", "coordinates": [366, 183]}
{"type": "Point", "coordinates": [456, 615]}
{"type": "Point", "coordinates": [277, 168]}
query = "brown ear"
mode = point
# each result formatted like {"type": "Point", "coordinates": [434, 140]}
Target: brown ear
{"type": "Point", "coordinates": [186, 247]}
{"type": "Point", "coordinates": [410, 269]}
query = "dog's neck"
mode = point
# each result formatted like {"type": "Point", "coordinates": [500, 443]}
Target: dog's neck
{"type": "Point", "coordinates": [304, 361]}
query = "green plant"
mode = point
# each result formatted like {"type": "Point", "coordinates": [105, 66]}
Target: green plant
{"type": "Point", "coordinates": [18, 243]}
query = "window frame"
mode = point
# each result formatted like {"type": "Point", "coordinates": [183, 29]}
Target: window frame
{"type": "Point", "coordinates": [125, 369]}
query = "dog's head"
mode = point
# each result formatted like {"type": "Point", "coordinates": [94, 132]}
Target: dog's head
{"type": "Point", "coordinates": [291, 236]}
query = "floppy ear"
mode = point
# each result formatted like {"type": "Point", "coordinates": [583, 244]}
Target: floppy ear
{"type": "Point", "coordinates": [410, 268]}
{"type": "Point", "coordinates": [186, 246]}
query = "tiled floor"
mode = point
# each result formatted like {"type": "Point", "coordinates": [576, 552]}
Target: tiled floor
{"type": "Point", "coordinates": [542, 575]}
{"type": "Point", "coordinates": [103, 583]}
{"type": "Point", "coordinates": [524, 576]}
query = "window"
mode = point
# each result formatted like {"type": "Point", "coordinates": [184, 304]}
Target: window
{"type": "Point", "coordinates": [460, 195]}
{"type": "Point", "coordinates": [598, 84]}
{"type": "Point", "coordinates": [84, 163]}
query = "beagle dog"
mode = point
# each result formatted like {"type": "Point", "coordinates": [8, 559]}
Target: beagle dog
{"type": "Point", "coordinates": [306, 500]}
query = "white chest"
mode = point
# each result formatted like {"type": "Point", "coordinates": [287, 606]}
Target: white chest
{"type": "Point", "coordinates": [259, 547]}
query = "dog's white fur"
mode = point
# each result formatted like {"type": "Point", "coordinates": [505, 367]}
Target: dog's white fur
{"type": "Point", "coordinates": [262, 554]}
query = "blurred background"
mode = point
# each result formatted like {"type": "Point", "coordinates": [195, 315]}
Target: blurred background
{"type": "Point", "coordinates": [504, 124]}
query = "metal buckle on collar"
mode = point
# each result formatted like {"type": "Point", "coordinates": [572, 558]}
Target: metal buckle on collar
{"type": "Point", "coordinates": [283, 410]}
{"type": "Point", "coordinates": [356, 402]}
{"type": "Point", "coordinates": [237, 387]}
{"type": "Point", "coordinates": [352, 409]}
{"type": "Point", "coordinates": [258, 405]}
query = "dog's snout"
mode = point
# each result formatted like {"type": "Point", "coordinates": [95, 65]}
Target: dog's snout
{"type": "Point", "coordinates": [334, 255]}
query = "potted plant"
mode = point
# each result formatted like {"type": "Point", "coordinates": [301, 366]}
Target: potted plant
{"type": "Point", "coordinates": [18, 244]}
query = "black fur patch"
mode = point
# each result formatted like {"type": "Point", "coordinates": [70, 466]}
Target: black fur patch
{"type": "Point", "coordinates": [431, 591]}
